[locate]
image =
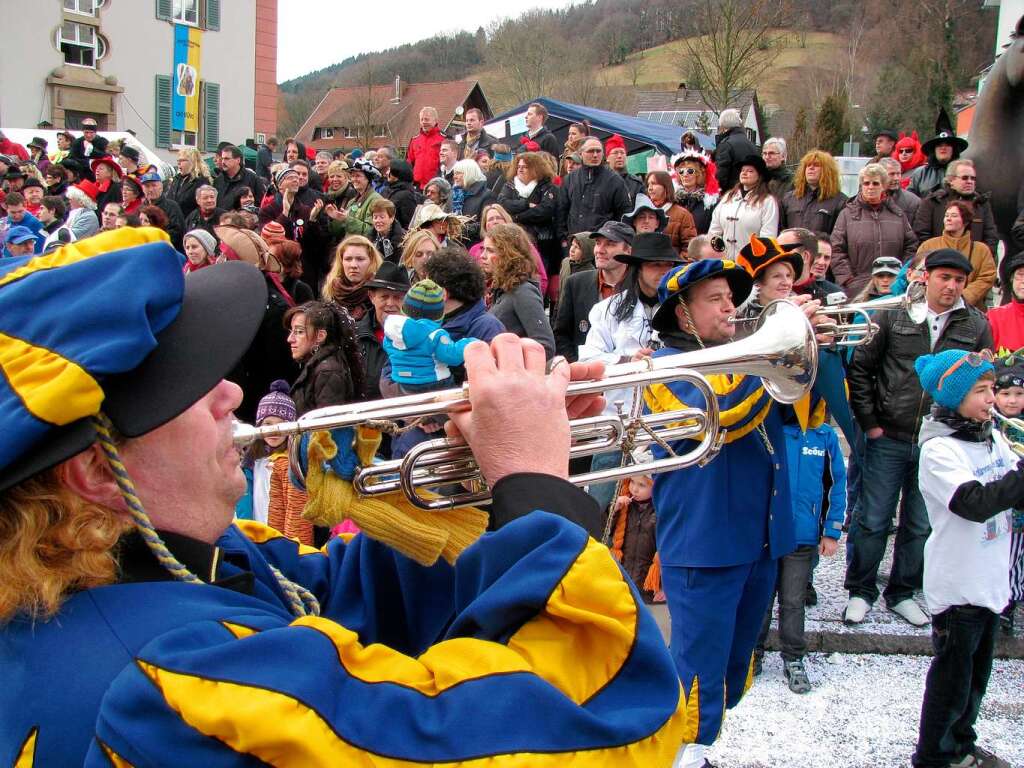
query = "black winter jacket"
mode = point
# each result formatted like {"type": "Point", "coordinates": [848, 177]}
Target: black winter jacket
{"type": "Point", "coordinates": [884, 388]}
{"type": "Point", "coordinates": [373, 353]}
{"type": "Point", "coordinates": [182, 190]}
{"type": "Point", "coordinates": [538, 221]}
{"type": "Point", "coordinates": [808, 212]}
{"type": "Point", "coordinates": [731, 147]}
{"type": "Point", "coordinates": [928, 223]}
{"type": "Point", "coordinates": [175, 220]}
{"type": "Point", "coordinates": [579, 295]}
{"type": "Point", "coordinates": [590, 196]}
{"type": "Point", "coordinates": [547, 141]}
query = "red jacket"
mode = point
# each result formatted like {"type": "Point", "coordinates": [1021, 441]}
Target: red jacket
{"type": "Point", "coordinates": [425, 155]}
{"type": "Point", "coordinates": [8, 147]}
{"type": "Point", "coordinates": [1007, 324]}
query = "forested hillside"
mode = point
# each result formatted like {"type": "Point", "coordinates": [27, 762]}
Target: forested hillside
{"type": "Point", "coordinates": [890, 62]}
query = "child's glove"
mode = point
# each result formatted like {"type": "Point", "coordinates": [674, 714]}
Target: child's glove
{"type": "Point", "coordinates": [390, 519]}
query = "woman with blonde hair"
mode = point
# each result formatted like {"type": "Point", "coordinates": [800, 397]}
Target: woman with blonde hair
{"type": "Point", "coordinates": [417, 248]}
{"type": "Point", "coordinates": [494, 215]}
{"type": "Point", "coordinates": [815, 200]}
{"type": "Point", "coordinates": [355, 262]}
{"type": "Point", "coordinates": [192, 174]}
{"type": "Point", "coordinates": [517, 300]}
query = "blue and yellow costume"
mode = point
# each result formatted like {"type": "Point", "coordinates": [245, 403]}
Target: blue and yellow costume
{"type": "Point", "coordinates": [721, 527]}
{"type": "Point", "coordinates": [532, 649]}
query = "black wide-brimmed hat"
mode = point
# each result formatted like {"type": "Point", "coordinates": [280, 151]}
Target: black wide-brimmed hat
{"type": "Point", "coordinates": [757, 162]}
{"type": "Point", "coordinates": [648, 247]}
{"type": "Point", "coordinates": [944, 134]}
{"type": "Point", "coordinates": [116, 329]}
{"type": "Point", "coordinates": [391, 277]}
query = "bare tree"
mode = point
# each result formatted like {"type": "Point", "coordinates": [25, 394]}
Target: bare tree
{"type": "Point", "coordinates": [528, 56]}
{"type": "Point", "coordinates": [735, 42]}
{"type": "Point", "coordinates": [636, 66]}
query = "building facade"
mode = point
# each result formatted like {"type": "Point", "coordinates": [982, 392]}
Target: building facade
{"type": "Point", "coordinates": [175, 72]}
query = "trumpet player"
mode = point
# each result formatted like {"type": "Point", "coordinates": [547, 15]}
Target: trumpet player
{"type": "Point", "coordinates": [140, 626]}
{"type": "Point", "coordinates": [889, 404]}
{"type": "Point", "coordinates": [722, 527]}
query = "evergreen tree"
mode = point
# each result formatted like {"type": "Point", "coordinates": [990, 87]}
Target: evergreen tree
{"type": "Point", "coordinates": [831, 126]}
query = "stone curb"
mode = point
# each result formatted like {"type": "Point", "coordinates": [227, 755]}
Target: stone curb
{"type": "Point", "coordinates": [903, 645]}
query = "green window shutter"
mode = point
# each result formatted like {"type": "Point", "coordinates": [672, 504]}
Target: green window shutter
{"type": "Point", "coordinates": [162, 131]}
{"type": "Point", "coordinates": [212, 15]}
{"type": "Point", "coordinates": [164, 10]}
{"type": "Point", "coordinates": [211, 116]}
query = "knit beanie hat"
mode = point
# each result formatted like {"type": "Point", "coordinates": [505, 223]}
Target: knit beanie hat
{"type": "Point", "coordinates": [614, 142]}
{"type": "Point", "coordinates": [272, 233]}
{"type": "Point", "coordinates": [208, 241]}
{"type": "Point", "coordinates": [948, 376]}
{"type": "Point", "coordinates": [277, 403]}
{"type": "Point", "coordinates": [425, 299]}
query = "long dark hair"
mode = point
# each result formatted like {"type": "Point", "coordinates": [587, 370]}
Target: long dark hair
{"type": "Point", "coordinates": [624, 302]}
{"type": "Point", "coordinates": [334, 319]}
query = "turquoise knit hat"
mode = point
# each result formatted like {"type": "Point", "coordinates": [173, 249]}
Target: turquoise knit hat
{"type": "Point", "coordinates": [948, 376]}
{"type": "Point", "coordinates": [425, 299]}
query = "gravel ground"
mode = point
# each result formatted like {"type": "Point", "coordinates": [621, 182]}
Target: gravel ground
{"type": "Point", "coordinates": [863, 711]}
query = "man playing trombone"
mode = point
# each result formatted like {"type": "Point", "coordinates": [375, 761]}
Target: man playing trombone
{"type": "Point", "coordinates": [140, 626]}
{"type": "Point", "coordinates": [721, 527]}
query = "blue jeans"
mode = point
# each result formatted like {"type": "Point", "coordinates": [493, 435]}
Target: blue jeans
{"type": "Point", "coordinates": [603, 492]}
{"type": "Point", "coordinates": [890, 466]}
{"type": "Point", "coordinates": [964, 639]}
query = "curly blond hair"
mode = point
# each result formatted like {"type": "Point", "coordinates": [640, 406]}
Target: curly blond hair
{"type": "Point", "coordinates": [514, 263]}
{"type": "Point", "coordinates": [53, 543]}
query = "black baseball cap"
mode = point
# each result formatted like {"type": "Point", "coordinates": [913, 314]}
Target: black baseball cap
{"type": "Point", "coordinates": [616, 231]}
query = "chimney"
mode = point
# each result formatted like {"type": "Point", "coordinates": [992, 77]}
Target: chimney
{"type": "Point", "coordinates": [397, 98]}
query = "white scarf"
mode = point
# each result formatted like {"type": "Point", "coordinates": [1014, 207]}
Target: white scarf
{"type": "Point", "coordinates": [524, 190]}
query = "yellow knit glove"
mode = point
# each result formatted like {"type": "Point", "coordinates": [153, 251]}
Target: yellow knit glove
{"type": "Point", "coordinates": [390, 519]}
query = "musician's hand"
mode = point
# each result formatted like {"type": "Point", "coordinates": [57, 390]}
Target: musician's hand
{"type": "Point", "coordinates": [641, 353]}
{"type": "Point", "coordinates": [828, 546]}
{"type": "Point", "coordinates": [874, 433]}
{"type": "Point", "coordinates": [519, 420]}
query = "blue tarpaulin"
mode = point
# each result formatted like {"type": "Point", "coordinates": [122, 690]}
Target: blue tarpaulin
{"type": "Point", "coordinates": [640, 135]}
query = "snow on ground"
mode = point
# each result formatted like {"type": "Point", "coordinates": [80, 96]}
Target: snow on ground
{"type": "Point", "coordinates": [864, 709]}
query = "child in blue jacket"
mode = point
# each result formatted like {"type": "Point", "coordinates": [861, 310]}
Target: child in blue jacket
{"type": "Point", "coordinates": [817, 479]}
{"type": "Point", "coordinates": [418, 349]}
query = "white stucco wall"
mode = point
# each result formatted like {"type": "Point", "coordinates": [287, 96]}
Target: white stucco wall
{"type": "Point", "coordinates": [140, 47]}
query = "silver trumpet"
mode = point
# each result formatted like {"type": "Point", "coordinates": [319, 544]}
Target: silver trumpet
{"type": "Point", "coordinates": [852, 332]}
{"type": "Point", "coordinates": [782, 352]}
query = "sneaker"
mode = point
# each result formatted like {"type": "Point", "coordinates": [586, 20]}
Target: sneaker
{"type": "Point", "coordinates": [856, 609]}
{"type": "Point", "coordinates": [911, 611]}
{"type": "Point", "coordinates": [810, 596]}
{"type": "Point", "coordinates": [985, 759]}
{"type": "Point", "coordinates": [796, 676]}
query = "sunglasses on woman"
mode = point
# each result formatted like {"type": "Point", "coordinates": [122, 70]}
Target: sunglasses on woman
{"type": "Point", "coordinates": [973, 359]}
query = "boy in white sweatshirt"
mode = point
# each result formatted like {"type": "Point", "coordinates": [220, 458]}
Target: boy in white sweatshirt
{"type": "Point", "coordinates": [970, 482]}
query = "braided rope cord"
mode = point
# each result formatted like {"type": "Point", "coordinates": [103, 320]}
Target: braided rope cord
{"type": "Point", "coordinates": [301, 601]}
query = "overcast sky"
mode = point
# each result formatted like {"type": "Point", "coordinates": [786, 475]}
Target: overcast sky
{"type": "Point", "coordinates": [313, 34]}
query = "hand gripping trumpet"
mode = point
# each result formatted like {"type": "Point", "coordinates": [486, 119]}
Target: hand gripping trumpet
{"type": "Point", "coordinates": [782, 351]}
{"type": "Point", "coordinates": [854, 332]}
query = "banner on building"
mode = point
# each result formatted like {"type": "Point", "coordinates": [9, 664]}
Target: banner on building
{"type": "Point", "coordinates": [185, 93]}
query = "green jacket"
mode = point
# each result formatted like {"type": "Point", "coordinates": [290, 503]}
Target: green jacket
{"type": "Point", "coordinates": [359, 221]}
